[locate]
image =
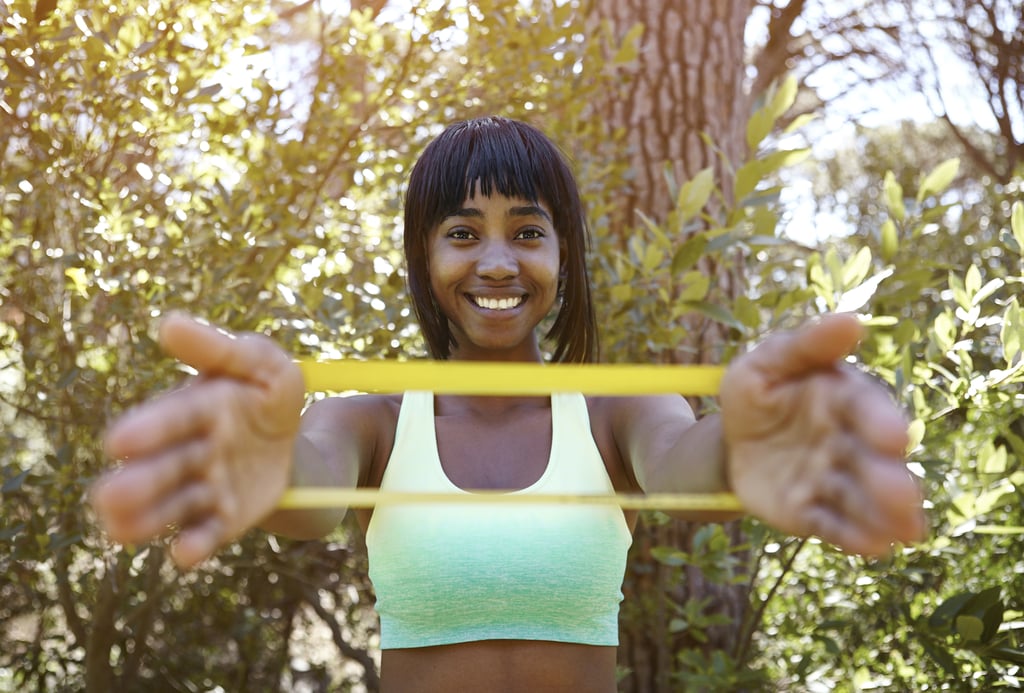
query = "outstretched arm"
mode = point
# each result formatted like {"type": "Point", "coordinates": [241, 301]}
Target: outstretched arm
{"type": "Point", "coordinates": [213, 458]}
{"type": "Point", "coordinates": [808, 444]}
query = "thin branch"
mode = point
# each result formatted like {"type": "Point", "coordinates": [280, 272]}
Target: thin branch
{"type": "Point", "coordinates": [372, 677]}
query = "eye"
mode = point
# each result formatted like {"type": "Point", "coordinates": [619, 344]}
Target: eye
{"type": "Point", "coordinates": [530, 233]}
{"type": "Point", "coordinates": [459, 233]}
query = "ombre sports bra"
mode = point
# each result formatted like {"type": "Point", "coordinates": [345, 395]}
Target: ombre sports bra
{"type": "Point", "coordinates": [446, 574]}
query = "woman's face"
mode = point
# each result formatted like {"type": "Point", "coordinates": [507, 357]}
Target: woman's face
{"type": "Point", "coordinates": [494, 269]}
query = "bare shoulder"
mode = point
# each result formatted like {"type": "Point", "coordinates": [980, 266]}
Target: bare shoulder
{"type": "Point", "coordinates": [357, 430]}
{"type": "Point", "coordinates": [622, 425]}
{"type": "Point", "coordinates": [358, 412]}
{"type": "Point", "coordinates": [614, 413]}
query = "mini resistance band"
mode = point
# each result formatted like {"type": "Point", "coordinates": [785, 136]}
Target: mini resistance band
{"type": "Point", "coordinates": [505, 379]}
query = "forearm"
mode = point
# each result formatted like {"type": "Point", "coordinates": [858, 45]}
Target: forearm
{"type": "Point", "coordinates": [310, 469]}
{"type": "Point", "coordinates": [694, 463]}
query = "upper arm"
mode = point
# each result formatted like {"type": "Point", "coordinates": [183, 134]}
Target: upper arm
{"type": "Point", "coordinates": [667, 450]}
{"type": "Point", "coordinates": [335, 447]}
{"type": "Point", "coordinates": [646, 430]}
{"type": "Point", "coordinates": [344, 432]}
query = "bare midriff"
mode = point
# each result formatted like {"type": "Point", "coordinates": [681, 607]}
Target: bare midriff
{"type": "Point", "coordinates": [500, 666]}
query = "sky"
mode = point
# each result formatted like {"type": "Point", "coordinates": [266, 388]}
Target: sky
{"type": "Point", "coordinates": [867, 105]}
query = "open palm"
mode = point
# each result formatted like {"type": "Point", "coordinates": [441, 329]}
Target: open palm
{"type": "Point", "coordinates": [814, 446]}
{"type": "Point", "coordinates": [211, 459]}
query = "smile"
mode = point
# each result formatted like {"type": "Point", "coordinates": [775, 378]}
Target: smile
{"type": "Point", "coordinates": [498, 303]}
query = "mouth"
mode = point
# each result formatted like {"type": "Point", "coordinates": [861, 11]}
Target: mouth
{"type": "Point", "coordinates": [495, 303]}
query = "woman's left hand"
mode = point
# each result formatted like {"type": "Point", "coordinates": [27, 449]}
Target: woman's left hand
{"type": "Point", "coordinates": [816, 447]}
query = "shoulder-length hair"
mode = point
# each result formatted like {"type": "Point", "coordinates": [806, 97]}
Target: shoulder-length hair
{"type": "Point", "coordinates": [515, 160]}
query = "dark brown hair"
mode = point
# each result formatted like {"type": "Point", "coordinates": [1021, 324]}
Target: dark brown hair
{"type": "Point", "coordinates": [513, 159]}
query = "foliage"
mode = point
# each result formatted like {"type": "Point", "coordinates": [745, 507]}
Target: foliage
{"type": "Point", "coordinates": [945, 335]}
{"type": "Point", "coordinates": [155, 157]}
{"type": "Point", "coordinates": [936, 281]}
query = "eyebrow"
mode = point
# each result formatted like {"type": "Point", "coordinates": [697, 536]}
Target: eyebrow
{"type": "Point", "coordinates": [525, 211]}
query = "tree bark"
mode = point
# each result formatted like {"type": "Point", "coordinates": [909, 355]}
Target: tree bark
{"type": "Point", "coordinates": [687, 83]}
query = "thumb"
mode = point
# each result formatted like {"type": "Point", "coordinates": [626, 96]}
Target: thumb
{"type": "Point", "coordinates": [213, 351]}
{"type": "Point", "coordinates": [810, 348]}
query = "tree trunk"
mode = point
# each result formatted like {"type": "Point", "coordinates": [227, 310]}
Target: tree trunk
{"type": "Point", "coordinates": [688, 80]}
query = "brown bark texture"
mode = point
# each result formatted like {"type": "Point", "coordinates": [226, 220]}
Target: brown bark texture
{"type": "Point", "coordinates": [688, 80]}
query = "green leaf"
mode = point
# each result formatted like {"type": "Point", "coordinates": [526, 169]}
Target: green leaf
{"type": "Point", "coordinates": [992, 459]}
{"type": "Point", "coordinates": [79, 280]}
{"type": "Point", "coordinates": [969, 627]}
{"type": "Point", "coordinates": [687, 255]}
{"type": "Point", "coordinates": [653, 256]}
{"type": "Point", "coordinates": [753, 172]}
{"type": "Point", "coordinates": [938, 179]}
{"type": "Point", "coordinates": [944, 332]}
{"type": "Point", "coordinates": [784, 96]}
{"type": "Point", "coordinates": [622, 293]}
{"type": "Point", "coordinates": [944, 615]}
{"type": "Point", "coordinates": [890, 240]}
{"type": "Point", "coordinates": [630, 47]}
{"type": "Point", "coordinates": [669, 556]}
{"type": "Point", "coordinates": [990, 287]}
{"type": "Point", "coordinates": [717, 313]}
{"type": "Point", "coordinates": [956, 285]}
{"type": "Point", "coordinates": [856, 268]}
{"type": "Point", "coordinates": [799, 122]}
{"type": "Point", "coordinates": [894, 197]}
{"type": "Point", "coordinates": [972, 282]}
{"type": "Point", "coordinates": [1011, 334]}
{"type": "Point", "coordinates": [14, 483]}
{"type": "Point", "coordinates": [1007, 654]}
{"type": "Point", "coordinates": [696, 286]}
{"type": "Point", "coordinates": [998, 529]}
{"type": "Point", "coordinates": [915, 434]}
{"type": "Point", "coordinates": [8, 533]}
{"type": "Point", "coordinates": [758, 127]}
{"type": "Point", "coordinates": [694, 194]}
{"type": "Point", "coordinates": [1017, 224]}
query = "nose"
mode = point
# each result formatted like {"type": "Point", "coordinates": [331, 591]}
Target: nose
{"type": "Point", "coordinates": [497, 262]}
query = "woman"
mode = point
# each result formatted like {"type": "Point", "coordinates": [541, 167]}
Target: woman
{"type": "Point", "coordinates": [504, 598]}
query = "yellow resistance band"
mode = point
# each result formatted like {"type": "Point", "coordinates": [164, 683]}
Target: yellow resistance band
{"type": "Point", "coordinates": [367, 498]}
{"type": "Point", "coordinates": [494, 378]}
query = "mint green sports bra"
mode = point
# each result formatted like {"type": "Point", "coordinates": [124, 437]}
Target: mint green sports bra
{"type": "Point", "coordinates": [460, 573]}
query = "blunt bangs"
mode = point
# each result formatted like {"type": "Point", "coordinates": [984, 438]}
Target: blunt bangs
{"type": "Point", "coordinates": [498, 155]}
{"type": "Point", "coordinates": [513, 159]}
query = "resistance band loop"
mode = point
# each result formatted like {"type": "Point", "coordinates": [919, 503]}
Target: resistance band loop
{"type": "Point", "coordinates": [492, 378]}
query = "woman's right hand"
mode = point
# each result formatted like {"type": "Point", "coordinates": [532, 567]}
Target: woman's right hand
{"type": "Point", "coordinates": [211, 459]}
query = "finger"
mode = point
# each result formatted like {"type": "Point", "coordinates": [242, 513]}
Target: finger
{"type": "Point", "coordinates": [816, 346]}
{"type": "Point", "coordinates": [169, 420]}
{"type": "Point", "coordinates": [213, 351]}
{"type": "Point", "coordinates": [839, 530]}
{"type": "Point", "coordinates": [896, 498]}
{"type": "Point", "coordinates": [869, 411]}
{"type": "Point", "coordinates": [129, 490]}
{"type": "Point", "coordinates": [198, 542]}
{"type": "Point", "coordinates": [195, 500]}
{"type": "Point", "coordinates": [866, 515]}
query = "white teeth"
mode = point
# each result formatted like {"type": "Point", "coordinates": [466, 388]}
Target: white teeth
{"type": "Point", "coordinates": [497, 303]}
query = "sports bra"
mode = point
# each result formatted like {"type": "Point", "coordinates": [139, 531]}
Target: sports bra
{"type": "Point", "coordinates": [456, 573]}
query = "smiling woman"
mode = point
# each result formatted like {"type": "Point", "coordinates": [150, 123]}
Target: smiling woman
{"type": "Point", "coordinates": [469, 162]}
{"type": "Point", "coordinates": [519, 596]}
